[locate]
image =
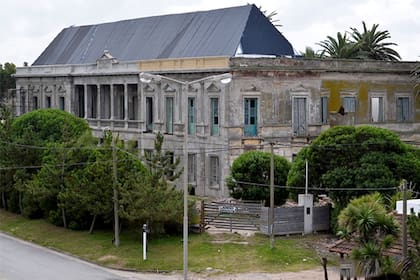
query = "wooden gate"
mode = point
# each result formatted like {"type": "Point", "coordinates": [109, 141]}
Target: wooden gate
{"type": "Point", "coordinates": [239, 215]}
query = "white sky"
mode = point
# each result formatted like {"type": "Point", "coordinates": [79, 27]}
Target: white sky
{"type": "Point", "coordinates": [28, 26]}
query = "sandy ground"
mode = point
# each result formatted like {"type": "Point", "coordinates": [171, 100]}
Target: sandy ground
{"type": "Point", "coordinates": [315, 274]}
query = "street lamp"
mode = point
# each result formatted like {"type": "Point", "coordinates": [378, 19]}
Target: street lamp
{"type": "Point", "coordinates": [147, 78]}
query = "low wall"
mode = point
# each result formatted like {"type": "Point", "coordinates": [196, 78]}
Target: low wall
{"type": "Point", "coordinates": [289, 220]}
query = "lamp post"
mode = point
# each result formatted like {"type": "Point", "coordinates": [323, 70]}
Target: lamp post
{"type": "Point", "coordinates": [147, 78]}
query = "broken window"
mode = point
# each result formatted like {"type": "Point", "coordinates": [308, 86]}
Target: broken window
{"type": "Point", "coordinates": [80, 96]}
{"type": "Point", "coordinates": [62, 103]}
{"type": "Point", "coordinates": [349, 104]}
{"type": "Point", "coordinates": [149, 114]}
{"type": "Point", "coordinates": [48, 101]}
{"type": "Point", "coordinates": [377, 109]}
{"type": "Point", "coordinates": [214, 170]}
{"type": "Point", "coordinates": [35, 102]}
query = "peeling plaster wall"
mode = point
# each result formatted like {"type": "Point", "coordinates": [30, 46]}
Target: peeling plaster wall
{"type": "Point", "coordinates": [277, 82]}
{"type": "Point", "coordinates": [279, 85]}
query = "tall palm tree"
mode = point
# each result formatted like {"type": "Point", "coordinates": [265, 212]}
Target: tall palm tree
{"type": "Point", "coordinates": [341, 47]}
{"type": "Point", "coordinates": [366, 221]}
{"type": "Point", "coordinates": [370, 43]}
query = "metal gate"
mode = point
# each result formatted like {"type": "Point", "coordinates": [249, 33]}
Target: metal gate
{"type": "Point", "coordinates": [239, 215]}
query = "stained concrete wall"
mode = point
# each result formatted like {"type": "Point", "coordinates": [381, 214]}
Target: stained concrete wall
{"type": "Point", "coordinates": [276, 83]}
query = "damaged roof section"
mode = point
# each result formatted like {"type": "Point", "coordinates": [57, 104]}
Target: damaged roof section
{"type": "Point", "coordinates": [198, 34]}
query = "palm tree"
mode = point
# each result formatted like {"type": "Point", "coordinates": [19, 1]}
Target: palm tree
{"type": "Point", "coordinates": [341, 47]}
{"type": "Point", "coordinates": [370, 43]}
{"type": "Point", "coordinates": [366, 221]}
{"type": "Point", "coordinates": [311, 53]}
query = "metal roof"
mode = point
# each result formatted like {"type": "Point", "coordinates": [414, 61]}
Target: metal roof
{"type": "Point", "coordinates": [197, 34]}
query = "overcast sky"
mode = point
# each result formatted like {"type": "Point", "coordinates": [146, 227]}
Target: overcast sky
{"type": "Point", "coordinates": [28, 26]}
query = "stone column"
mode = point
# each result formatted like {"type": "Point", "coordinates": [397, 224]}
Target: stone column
{"type": "Point", "coordinates": [125, 102]}
{"type": "Point", "coordinates": [112, 99]}
{"type": "Point", "coordinates": [18, 99]}
{"type": "Point", "coordinates": [157, 105]}
{"type": "Point", "coordinates": [86, 101]}
{"type": "Point", "coordinates": [26, 105]}
{"type": "Point", "coordinates": [98, 104]}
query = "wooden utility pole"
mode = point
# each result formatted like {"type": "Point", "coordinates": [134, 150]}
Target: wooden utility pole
{"type": "Point", "coordinates": [272, 197]}
{"type": "Point", "coordinates": [115, 185]}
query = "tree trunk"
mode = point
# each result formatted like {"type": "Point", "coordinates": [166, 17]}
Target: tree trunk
{"type": "Point", "coordinates": [3, 200]}
{"type": "Point", "coordinates": [20, 203]}
{"type": "Point", "coordinates": [92, 225]}
{"type": "Point", "coordinates": [63, 214]}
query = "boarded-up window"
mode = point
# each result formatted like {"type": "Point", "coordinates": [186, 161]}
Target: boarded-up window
{"type": "Point", "coordinates": [299, 116]}
{"type": "Point", "coordinates": [214, 170]}
{"type": "Point", "coordinates": [403, 109]}
{"type": "Point", "coordinates": [191, 168]}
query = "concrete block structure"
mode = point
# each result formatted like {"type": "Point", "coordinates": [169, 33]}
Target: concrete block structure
{"type": "Point", "coordinates": [226, 80]}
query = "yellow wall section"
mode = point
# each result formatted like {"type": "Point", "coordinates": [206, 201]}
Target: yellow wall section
{"type": "Point", "coordinates": [362, 90]}
{"type": "Point", "coordinates": [196, 63]}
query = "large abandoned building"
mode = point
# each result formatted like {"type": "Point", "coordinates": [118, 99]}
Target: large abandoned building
{"type": "Point", "coordinates": [218, 82]}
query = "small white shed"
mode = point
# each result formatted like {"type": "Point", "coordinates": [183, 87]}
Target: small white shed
{"type": "Point", "coordinates": [413, 205]}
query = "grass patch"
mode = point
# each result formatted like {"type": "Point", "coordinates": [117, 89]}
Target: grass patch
{"type": "Point", "coordinates": [228, 253]}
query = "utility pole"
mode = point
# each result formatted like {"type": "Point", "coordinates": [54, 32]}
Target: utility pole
{"type": "Point", "coordinates": [306, 176]}
{"type": "Point", "coordinates": [272, 197]}
{"type": "Point", "coordinates": [185, 223]}
{"type": "Point", "coordinates": [404, 221]}
{"type": "Point", "coordinates": [116, 206]}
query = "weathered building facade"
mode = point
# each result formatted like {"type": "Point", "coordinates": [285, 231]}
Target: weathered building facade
{"type": "Point", "coordinates": [221, 104]}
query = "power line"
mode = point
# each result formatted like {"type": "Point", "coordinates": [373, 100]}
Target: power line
{"type": "Point", "coordinates": [318, 189]}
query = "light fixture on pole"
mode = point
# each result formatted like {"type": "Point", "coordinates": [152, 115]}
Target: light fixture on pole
{"type": "Point", "coordinates": [147, 78]}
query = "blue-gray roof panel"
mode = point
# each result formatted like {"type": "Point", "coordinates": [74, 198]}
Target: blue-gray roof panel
{"type": "Point", "coordinates": [209, 33]}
